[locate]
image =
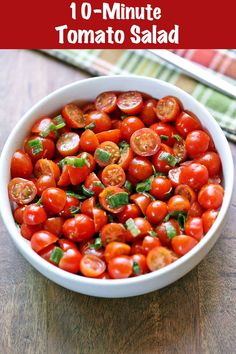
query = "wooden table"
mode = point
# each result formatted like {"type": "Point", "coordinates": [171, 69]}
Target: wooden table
{"type": "Point", "coordinates": [196, 314]}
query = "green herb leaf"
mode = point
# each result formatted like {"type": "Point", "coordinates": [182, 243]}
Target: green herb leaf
{"type": "Point", "coordinates": [177, 137]}
{"type": "Point", "coordinates": [98, 184]}
{"type": "Point", "coordinates": [73, 161]}
{"type": "Point", "coordinates": [164, 137]}
{"type": "Point", "coordinates": [97, 244]}
{"type": "Point", "coordinates": [84, 156]}
{"type": "Point", "coordinates": [60, 123]}
{"type": "Point", "coordinates": [136, 268]}
{"type": "Point", "coordinates": [128, 186]}
{"type": "Point", "coordinates": [75, 195]}
{"type": "Point", "coordinates": [118, 199]}
{"type": "Point", "coordinates": [56, 255]}
{"type": "Point", "coordinates": [131, 226]}
{"type": "Point", "coordinates": [48, 130]}
{"type": "Point", "coordinates": [86, 191]}
{"type": "Point", "coordinates": [170, 230]}
{"type": "Point", "coordinates": [90, 126]}
{"type": "Point", "coordinates": [170, 159]}
{"type": "Point", "coordinates": [74, 209]}
{"type": "Point", "coordinates": [152, 233]}
{"type": "Point", "coordinates": [181, 217]}
{"type": "Point", "coordinates": [144, 186]}
{"type": "Point", "coordinates": [102, 155]}
{"type": "Point", "coordinates": [36, 145]}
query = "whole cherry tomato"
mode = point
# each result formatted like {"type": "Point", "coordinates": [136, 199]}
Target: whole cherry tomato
{"type": "Point", "coordinates": [120, 267]}
{"type": "Point", "coordinates": [129, 126]}
{"type": "Point", "coordinates": [54, 200]}
{"type": "Point", "coordinates": [21, 165]}
{"type": "Point", "coordinates": [140, 168]}
{"type": "Point", "coordinates": [211, 196]}
{"type": "Point", "coordinates": [182, 244]}
{"type": "Point", "coordinates": [79, 228]}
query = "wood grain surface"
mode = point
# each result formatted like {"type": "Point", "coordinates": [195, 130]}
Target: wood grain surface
{"type": "Point", "coordinates": [196, 314]}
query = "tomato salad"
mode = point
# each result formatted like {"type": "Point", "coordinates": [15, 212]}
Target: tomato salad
{"type": "Point", "coordinates": [120, 187]}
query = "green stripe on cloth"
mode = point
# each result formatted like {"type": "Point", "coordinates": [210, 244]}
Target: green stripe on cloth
{"type": "Point", "coordinates": [140, 62]}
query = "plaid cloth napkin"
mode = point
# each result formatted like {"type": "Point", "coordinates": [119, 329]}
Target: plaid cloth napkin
{"type": "Point", "coordinates": [141, 62]}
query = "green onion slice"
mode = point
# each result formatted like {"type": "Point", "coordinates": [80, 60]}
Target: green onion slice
{"type": "Point", "coordinates": [86, 191]}
{"type": "Point", "coordinates": [90, 126]}
{"type": "Point", "coordinates": [36, 145]}
{"type": "Point", "coordinates": [170, 230]}
{"type": "Point", "coordinates": [136, 268]}
{"type": "Point", "coordinates": [170, 159]}
{"type": "Point", "coordinates": [97, 244]}
{"type": "Point", "coordinates": [74, 209]}
{"type": "Point", "coordinates": [181, 217]}
{"type": "Point", "coordinates": [98, 184]}
{"type": "Point", "coordinates": [60, 123]}
{"type": "Point", "coordinates": [123, 145]}
{"type": "Point", "coordinates": [75, 195]}
{"type": "Point", "coordinates": [164, 137]}
{"type": "Point", "coordinates": [73, 161]}
{"type": "Point", "coordinates": [118, 199]}
{"type": "Point", "coordinates": [56, 255]}
{"type": "Point", "coordinates": [133, 229]}
{"type": "Point", "coordinates": [144, 186]}
{"type": "Point", "coordinates": [128, 186]}
{"type": "Point", "coordinates": [152, 233]}
{"type": "Point", "coordinates": [48, 130]}
{"type": "Point", "coordinates": [177, 137]}
{"type": "Point", "coordinates": [102, 155]}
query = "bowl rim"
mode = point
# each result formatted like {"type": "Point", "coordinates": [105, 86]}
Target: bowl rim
{"type": "Point", "coordinates": [39, 263]}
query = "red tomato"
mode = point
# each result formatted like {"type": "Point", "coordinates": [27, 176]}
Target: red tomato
{"type": "Point", "coordinates": [211, 196]}
{"type": "Point", "coordinates": [44, 182]}
{"type": "Point", "coordinates": [182, 244]}
{"type": "Point", "coordinates": [54, 225]}
{"type": "Point", "coordinates": [141, 200]}
{"type": "Point", "coordinates": [90, 162]}
{"type": "Point", "coordinates": [149, 243]}
{"type": "Point", "coordinates": [42, 125]}
{"type": "Point", "coordinates": [87, 206]}
{"type": "Point", "coordinates": [104, 199]}
{"type": "Point", "coordinates": [194, 175]}
{"type": "Point", "coordinates": [79, 228]}
{"type": "Point", "coordinates": [144, 227]}
{"type": "Point", "coordinates": [66, 244]}
{"type": "Point", "coordinates": [46, 254]}
{"type": "Point", "coordinates": [100, 218]}
{"type": "Point", "coordinates": [89, 141]}
{"type": "Point", "coordinates": [87, 247]}
{"type": "Point", "coordinates": [34, 214]}
{"type": "Point", "coordinates": [77, 174]}
{"type": "Point", "coordinates": [109, 147]}
{"type": "Point", "coordinates": [130, 102]}
{"type": "Point", "coordinates": [48, 168]}
{"type": "Point", "coordinates": [113, 175]}
{"type": "Point", "coordinates": [161, 187]}
{"type": "Point", "coordinates": [120, 267]}
{"type": "Point", "coordinates": [104, 275]}
{"type": "Point", "coordinates": [185, 123]}
{"type": "Point", "coordinates": [168, 108]}
{"type": "Point", "coordinates": [197, 142]}
{"type": "Point", "coordinates": [88, 107]}
{"type": "Point", "coordinates": [21, 165]}
{"type": "Point", "coordinates": [174, 175]}
{"type": "Point", "coordinates": [112, 232]}
{"type": "Point", "coordinates": [42, 239]}
{"type": "Point", "coordinates": [115, 249]}
{"type": "Point", "coordinates": [106, 102]}
{"type": "Point", "coordinates": [73, 116]}
{"type": "Point", "coordinates": [208, 219]}
{"type": "Point", "coordinates": [129, 126]}
{"type": "Point", "coordinates": [129, 211]}
{"type": "Point", "coordinates": [101, 120]}
{"type": "Point", "coordinates": [160, 164]}
{"type": "Point", "coordinates": [43, 148]}
{"type": "Point", "coordinates": [116, 124]}
{"type": "Point", "coordinates": [92, 266]}
{"type": "Point", "coordinates": [71, 207]}
{"type": "Point", "coordinates": [148, 114]}
{"type": "Point", "coordinates": [165, 132]}
{"type": "Point", "coordinates": [140, 168]}
{"type": "Point", "coordinates": [145, 142]}
{"type": "Point", "coordinates": [70, 261]}
{"type": "Point", "coordinates": [179, 150]}
{"type": "Point", "coordinates": [54, 200]}
{"type": "Point", "coordinates": [21, 191]}
{"type": "Point", "coordinates": [178, 203]}
{"type": "Point", "coordinates": [162, 231]}
{"type": "Point", "coordinates": [160, 257]}
{"type": "Point", "coordinates": [211, 160]}
{"type": "Point", "coordinates": [194, 228]}
{"type": "Point", "coordinates": [195, 210]}
{"type": "Point", "coordinates": [113, 135]}
{"type": "Point", "coordinates": [94, 184]}
{"type": "Point", "coordinates": [64, 180]}
{"type": "Point", "coordinates": [126, 155]}
{"type": "Point", "coordinates": [68, 144]}
{"type": "Point", "coordinates": [137, 247]}
{"type": "Point", "coordinates": [18, 215]}
{"type": "Point", "coordinates": [139, 264]}
{"type": "Point", "coordinates": [187, 192]}
{"type": "Point", "coordinates": [156, 211]}
{"type": "Point", "coordinates": [27, 231]}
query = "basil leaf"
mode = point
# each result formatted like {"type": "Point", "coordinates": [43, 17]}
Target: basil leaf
{"type": "Point", "coordinates": [170, 230]}
{"type": "Point", "coordinates": [170, 159]}
{"type": "Point", "coordinates": [144, 186]}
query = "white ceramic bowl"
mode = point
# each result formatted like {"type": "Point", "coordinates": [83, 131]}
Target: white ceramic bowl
{"type": "Point", "coordinates": [86, 90]}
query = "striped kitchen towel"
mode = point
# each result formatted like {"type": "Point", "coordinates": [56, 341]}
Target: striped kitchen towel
{"type": "Point", "coordinates": [141, 62]}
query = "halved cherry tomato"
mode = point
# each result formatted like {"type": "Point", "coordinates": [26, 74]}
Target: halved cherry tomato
{"type": "Point", "coordinates": [113, 175]}
{"type": "Point", "coordinates": [18, 214]}
{"type": "Point", "coordinates": [47, 167]}
{"type": "Point", "coordinates": [106, 102]}
{"type": "Point", "coordinates": [73, 116]}
{"type": "Point", "coordinates": [87, 247]}
{"type": "Point", "coordinates": [160, 257]}
{"type": "Point", "coordinates": [211, 196]}
{"type": "Point", "coordinates": [165, 132]}
{"type": "Point", "coordinates": [94, 184]}
{"type": "Point", "coordinates": [42, 239]}
{"type": "Point", "coordinates": [21, 165]}
{"type": "Point", "coordinates": [104, 199]}
{"type": "Point", "coordinates": [145, 142]}
{"type": "Point", "coordinates": [88, 107]}
{"type": "Point", "coordinates": [54, 200]}
{"type": "Point", "coordinates": [208, 219]}
{"type": "Point", "coordinates": [186, 123]}
{"type": "Point", "coordinates": [70, 261]}
{"type": "Point", "coordinates": [71, 207]}
{"type": "Point", "coordinates": [180, 151]}
{"type": "Point", "coordinates": [91, 266]}
{"type": "Point", "coordinates": [148, 114]}
{"type": "Point", "coordinates": [68, 144]}
{"type": "Point", "coordinates": [115, 249]}
{"type": "Point", "coordinates": [139, 264]}
{"type": "Point", "coordinates": [77, 174]}
{"type": "Point", "coordinates": [46, 254]}
{"type": "Point", "coordinates": [174, 175]}
{"type": "Point", "coordinates": [150, 242]}
{"type": "Point", "coordinates": [194, 228]}
{"type": "Point", "coordinates": [113, 135]}
{"type": "Point", "coordinates": [211, 160]}
{"type": "Point", "coordinates": [182, 244]}
{"type": "Point", "coordinates": [64, 180]}
{"type": "Point", "coordinates": [194, 175]}
{"type": "Point", "coordinates": [44, 182]}
{"type": "Point", "coordinates": [197, 142]}
{"type": "Point", "coordinates": [120, 267]}
{"type": "Point", "coordinates": [44, 148]}
{"type": "Point", "coordinates": [21, 191]}
{"type": "Point", "coordinates": [156, 211]}
{"type": "Point", "coordinates": [130, 102]}
{"type": "Point", "coordinates": [144, 227]}
{"type": "Point", "coordinates": [126, 155]}
{"type": "Point", "coordinates": [89, 141]}
{"type": "Point", "coordinates": [41, 126]}
{"type": "Point", "coordinates": [141, 200]}
{"type": "Point", "coordinates": [100, 218]}
{"type": "Point", "coordinates": [195, 210]}
{"type": "Point", "coordinates": [162, 231]}
{"type": "Point", "coordinates": [109, 147]}
{"type": "Point", "coordinates": [112, 232]}
{"type": "Point", "coordinates": [178, 203]}
{"type": "Point", "coordinates": [187, 192]}
{"type": "Point", "coordinates": [79, 228]}
{"type": "Point", "coordinates": [87, 206]}
{"type": "Point", "coordinates": [161, 187]}
{"type": "Point", "coordinates": [34, 214]}
{"type": "Point", "coordinates": [129, 211]}
{"type": "Point", "coordinates": [54, 225]}
{"type": "Point", "coordinates": [101, 120]}
{"type": "Point", "coordinates": [168, 108]}
{"type": "Point", "coordinates": [27, 231]}
{"type": "Point", "coordinates": [159, 162]}
{"type": "Point", "coordinates": [66, 244]}
{"type": "Point", "coordinates": [129, 126]}
{"type": "Point", "coordinates": [140, 168]}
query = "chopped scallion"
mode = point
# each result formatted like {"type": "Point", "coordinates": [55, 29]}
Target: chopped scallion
{"type": "Point", "coordinates": [98, 184]}
{"type": "Point", "coordinates": [136, 268]}
{"type": "Point", "coordinates": [144, 186]}
{"type": "Point", "coordinates": [74, 209]}
{"type": "Point", "coordinates": [97, 244]}
{"type": "Point", "coordinates": [164, 137]}
{"type": "Point", "coordinates": [56, 255]}
{"type": "Point", "coordinates": [170, 159]}
{"type": "Point", "coordinates": [118, 199]}
{"type": "Point", "coordinates": [170, 230]}
{"type": "Point", "coordinates": [177, 137]}
{"type": "Point", "coordinates": [75, 195]}
{"type": "Point", "coordinates": [90, 126]}
{"type": "Point", "coordinates": [36, 145]}
{"type": "Point", "coordinates": [152, 233]}
{"type": "Point", "coordinates": [73, 161]}
{"type": "Point", "coordinates": [128, 186]}
{"type": "Point", "coordinates": [48, 130]}
{"type": "Point", "coordinates": [181, 217]}
{"type": "Point", "coordinates": [102, 155]}
{"type": "Point", "coordinates": [60, 123]}
{"type": "Point", "coordinates": [86, 191]}
{"type": "Point", "coordinates": [131, 226]}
